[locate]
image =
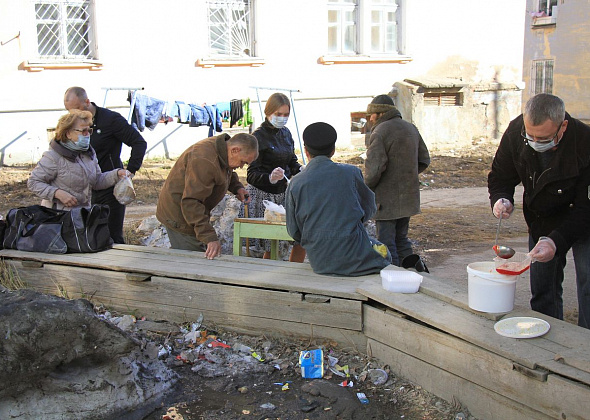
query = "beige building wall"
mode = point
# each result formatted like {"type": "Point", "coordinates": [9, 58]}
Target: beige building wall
{"type": "Point", "coordinates": [156, 45]}
{"type": "Point", "coordinates": [564, 38]}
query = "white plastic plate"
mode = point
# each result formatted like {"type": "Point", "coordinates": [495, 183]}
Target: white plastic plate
{"type": "Point", "coordinates": [522, 327]}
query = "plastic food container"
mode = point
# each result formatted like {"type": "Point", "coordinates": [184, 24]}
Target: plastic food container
{"type": "Point", "coordinates": [488, 290]}
{"type": "Point", "coordinates": [517, 264]}
{"type": "Point", "coordinates": [400, 280]}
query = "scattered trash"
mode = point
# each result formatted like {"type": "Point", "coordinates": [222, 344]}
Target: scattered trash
{"type": "Point", "coordinates": [332, 361]}
{"type": "Point", "coordinates": [268, 406]}
{"type": "Point", "coordinates": [243, 389]}
{"type": "Point", "coordinates": [362, 398]}
{"type": "Point", "coordinates": [312, 363]}
{"type": "Point", "coordinates": [346, 383]}
{"type": "Point", "coordinates": [285, 387]}
{"type": "Point", "coordinates": [378, 376]}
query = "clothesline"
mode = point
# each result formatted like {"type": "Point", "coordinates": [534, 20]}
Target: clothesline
{"type": "Point", "coordinates": [149, 111]}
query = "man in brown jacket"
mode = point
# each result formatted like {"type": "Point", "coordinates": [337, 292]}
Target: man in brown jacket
{"type": "Point", "coordinates": [197, 182]}
{"type": "Point", "coordinates": [396, 154]}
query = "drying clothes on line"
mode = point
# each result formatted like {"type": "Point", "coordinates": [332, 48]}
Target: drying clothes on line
{"type": "Point", "coordinates": [224, 110]}
{"type": "Point", "coordinates": [147, 112]}
{"type": "Point", "coordinates": [246, 120]}
{"type": "Point", "coordinates": [236, 111]}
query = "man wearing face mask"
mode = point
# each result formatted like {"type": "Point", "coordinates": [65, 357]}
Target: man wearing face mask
{"type": "Point", "coordinates": [549, 152]}
{"type": "Point", "coordinates": [276, 164]}
{"type": "Point", "coordinates": [110, 132]}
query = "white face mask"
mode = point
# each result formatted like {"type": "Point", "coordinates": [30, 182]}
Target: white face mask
{"type": "Point", "coordinates": [542, 147]}
{"type": "Point", "coordinates": [278, 122]}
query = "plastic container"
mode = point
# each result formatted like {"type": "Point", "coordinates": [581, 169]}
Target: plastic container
{"type": "Point", "coordinates": [517, 264]}
{"type": "Point", "coordinates": [488, 290]}
{"type": "Point", "coordinates": [400, 281]}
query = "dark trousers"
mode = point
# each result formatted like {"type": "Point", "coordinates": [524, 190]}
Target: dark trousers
{"type": "Point", "coordinates": [188, 242]}
{"type": "Point", "coordinates": [394, 235]}
{"type": "Point", "coordinates": [547, 283]}
{"type": "Point", "coordinates": [116, 214]}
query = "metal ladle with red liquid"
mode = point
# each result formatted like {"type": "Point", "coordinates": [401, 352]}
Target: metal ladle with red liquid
{"type": "Point", "coordinates": [501, 250]}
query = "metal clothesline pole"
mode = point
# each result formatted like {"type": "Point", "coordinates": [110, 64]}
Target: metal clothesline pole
{"type": "Point", "coordinates": [292, 108]}
{"type": "Point", "coordinates": [132, 89]}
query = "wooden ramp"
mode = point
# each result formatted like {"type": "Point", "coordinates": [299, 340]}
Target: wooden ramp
{"type": "Point", "coordinates": [431, 338]}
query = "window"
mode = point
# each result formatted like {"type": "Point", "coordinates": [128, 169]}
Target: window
{"type": "Point", "coordinates": [64, 30]}
{"type": "Point", "coordinates": [542, 76]}
{"type": "Point", "coordinates": [230, 28]}
{"type": "Point", "coordinates": [546, 7]}
{"type": "Point", "coordinates": [363, 27]}
{"type": "Point", "coordinates": [342, 27]}
{"type": "Point", "coordinates": [439, 98]}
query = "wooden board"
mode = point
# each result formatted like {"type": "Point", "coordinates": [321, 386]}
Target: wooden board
{"type": "Point", "coordinates": [481, 402]}
{"type": "Point", "coordinates": [459, 323]}
{"type": "Point", "coordinates": [107, 286]}
{"type": "Point", "coordinates": [283, 276]}
{"type": "Point", "coordinates": [476, 365]}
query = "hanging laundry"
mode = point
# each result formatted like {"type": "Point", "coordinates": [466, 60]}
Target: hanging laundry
{"type": "Point", "coordinates": [246, 120]}
{"type": "Point", "coordinates": [224, 110]}
{"type": "Point", "coordinates": [147, 112]}
{"type": "Point", "coordinates": [236, 111]}
{"type": "Point", "coordinates": [184, 112]}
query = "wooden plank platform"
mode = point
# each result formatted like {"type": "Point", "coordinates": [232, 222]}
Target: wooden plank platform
{"type": "Point", "coordinates": [431, 337]}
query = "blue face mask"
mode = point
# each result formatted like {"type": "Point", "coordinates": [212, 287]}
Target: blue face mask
{"type": "Point", "coordinates": [83, 142]}
{"type": "Point", "coordinates": [542, 147]}
{"type": "Point", "coordinates": [278, 122]}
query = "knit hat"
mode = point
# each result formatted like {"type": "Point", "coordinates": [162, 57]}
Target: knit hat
{"type": "Point", "coordinates": [380, 104]}
{"type": "Point", "coordinates": [319, 138]}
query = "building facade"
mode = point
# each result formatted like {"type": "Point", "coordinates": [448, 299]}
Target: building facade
{"type": "Point", "coordinates": [331, 57]}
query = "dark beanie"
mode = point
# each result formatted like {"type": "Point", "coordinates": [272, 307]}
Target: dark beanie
{"type": "Point", "coordinates": [380, 104]}
{"type": "Point", "coordinates": [319, 138]}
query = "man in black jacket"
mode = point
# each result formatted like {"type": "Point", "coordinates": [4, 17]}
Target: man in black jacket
{"type": "Point", "coordinates": [549, 152]}
{"type": "Point", "coordinates": [111, 130]}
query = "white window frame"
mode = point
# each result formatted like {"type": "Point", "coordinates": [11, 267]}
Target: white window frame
{"type": "Point", "coordinates": [64, 31]}
{"type": "Point", "coordinates": [544, 83]}
{"type": "Point", "coordinates": [343, 8]}
{"type": "Point", "coordinates": [240, 43]}
{"type": "Point", "coordinates": [363, 10]}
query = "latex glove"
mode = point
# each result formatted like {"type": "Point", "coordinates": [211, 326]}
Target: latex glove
{"type": "Point", "coordinates": [276, 175]}
{"type": "Point", "coordinates": [544, 250]}
{"type": "Point", "coordinates": [213, 250]}
{"type": "Point", "coordinates": [503, 208]}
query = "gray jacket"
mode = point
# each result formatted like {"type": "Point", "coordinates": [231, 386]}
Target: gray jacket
{"type": "Point", "coordinates": [326, 206]}
{"type": "Point", "coordinates": [76, 173]}
{"type": "Point", "coordinates": [396, 154]}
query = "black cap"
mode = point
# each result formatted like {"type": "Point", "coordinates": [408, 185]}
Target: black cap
{"type": "Point", "coordinates": [319, 138]}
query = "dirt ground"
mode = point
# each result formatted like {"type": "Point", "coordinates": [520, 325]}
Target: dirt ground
{"type": "Point", "coordinates": [247, 392]}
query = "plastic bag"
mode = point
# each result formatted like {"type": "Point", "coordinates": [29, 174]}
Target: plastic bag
{"type": "Point", "coordinates": [124, 191]}
{"type": "Point", "coordinates": [274, 212]}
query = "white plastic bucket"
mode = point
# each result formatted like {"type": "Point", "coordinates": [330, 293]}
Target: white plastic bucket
{"type": "Point", "coordinates": [488, 290]}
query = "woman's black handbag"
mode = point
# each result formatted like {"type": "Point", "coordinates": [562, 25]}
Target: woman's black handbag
{"type": "Point", "coordinates": [42, 229]}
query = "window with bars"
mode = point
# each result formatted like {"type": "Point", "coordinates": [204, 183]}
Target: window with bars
{"type": "Point", "coordinates": [363, 27]}
{"type": "Point", "coordinates": [230, 28]}
{"type": "Point", "coordinates": [64, 29]}
{"type": "Point", "coordinates": [542, 76]}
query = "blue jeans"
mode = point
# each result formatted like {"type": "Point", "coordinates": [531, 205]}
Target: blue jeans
{"type": "Point", "coordinates": [394, 235]}
{"type": "Point", "coordinates": [547, 283]}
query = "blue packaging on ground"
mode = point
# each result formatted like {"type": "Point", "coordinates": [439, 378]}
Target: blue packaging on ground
{"type": "Point", "coordinates": [312, 363]}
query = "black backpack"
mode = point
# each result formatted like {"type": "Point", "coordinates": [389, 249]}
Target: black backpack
{"type": "Point", "coordinates": [42, 229]}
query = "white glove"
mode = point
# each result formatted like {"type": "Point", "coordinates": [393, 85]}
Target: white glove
{"type": "Point", "coordinates": [544, 250]}
{"type": "Point", "coordinates": [503, 208]}
{"type": "Point", "coordinates": [276, 175]}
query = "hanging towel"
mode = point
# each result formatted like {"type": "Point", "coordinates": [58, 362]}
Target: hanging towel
{"type": "Point", "coordinates": [246, 120]}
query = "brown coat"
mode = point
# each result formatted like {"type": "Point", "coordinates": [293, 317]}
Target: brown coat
{"type": "Point", "coordinates": [396, 154]}
{"type": "Point", "coordinates": [197, 182]}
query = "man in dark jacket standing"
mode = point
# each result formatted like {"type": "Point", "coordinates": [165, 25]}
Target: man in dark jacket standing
{"type": "Point", "coordinates": [396, 154]}
{"type": "Point", "coordinates": [549, 152]}
{"type": "Point", "coordinates": [110, 131]}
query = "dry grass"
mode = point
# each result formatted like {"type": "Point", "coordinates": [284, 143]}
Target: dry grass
{"type": "Point", "coordinates": [9, 277]}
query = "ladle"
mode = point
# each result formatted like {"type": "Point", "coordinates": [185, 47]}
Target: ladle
{"type": "Point", "coordinates": [501, 250]}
